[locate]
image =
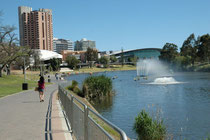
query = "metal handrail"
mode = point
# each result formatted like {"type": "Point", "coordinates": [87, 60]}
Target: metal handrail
{"type": "Point", "coordinates": [121, 132]}
{"type": "Point", "coordinates": [87, 109]}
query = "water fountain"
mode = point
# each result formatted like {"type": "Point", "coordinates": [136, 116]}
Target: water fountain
{"type": "Point", "coordinates": [165, 81]}
{"type": "Point", "coordinates": [155, 68]}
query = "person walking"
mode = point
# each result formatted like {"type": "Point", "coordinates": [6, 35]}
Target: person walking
{"type": "Point", "coordinates": [56, 76]}
{"type": "Point", "coordinates": [41, 87]}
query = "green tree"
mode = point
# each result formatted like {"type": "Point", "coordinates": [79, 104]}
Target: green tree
{"type": "Point", "coordinates": [27, 58]}
{"type": "Point", "coordinates": [50, 68]}
{"type": "Point", "coordinates": [204, 48]}
{"type": "Point", "coordinates": [72, 61]}
{"type": "Point", "coordinates": [182, 62]}
{"type": "Point", "coordinates": [189, 48]}
{"type": "Point", "coordinates": [169, 53]}
{"type": "Point", "coordinates": [133, 59]}
{"type": "Point", "coordinates": [113, 59]}
{"type": "Point", "coordinates": [91, 56]}
{"type": "Point", "coordinates": [36, 58]}
{"type": "Point", "coordinates": [105, 61]}
{"type": "Point", "coordinates": [9, 51]}
{"type": "Point", "coordinates": [55, 63]}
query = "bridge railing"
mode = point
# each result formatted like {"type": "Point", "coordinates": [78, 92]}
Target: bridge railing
{"type": "Point", "coordinates": [85, 123]}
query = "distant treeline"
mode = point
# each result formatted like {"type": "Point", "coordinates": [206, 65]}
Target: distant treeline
{"type": "Point", "coordinates": [194, 54]}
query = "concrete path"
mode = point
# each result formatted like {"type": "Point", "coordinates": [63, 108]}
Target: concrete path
{"type": "Point", "coordinates": [24, 117]}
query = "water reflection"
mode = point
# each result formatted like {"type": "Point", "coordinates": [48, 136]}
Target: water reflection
{"type": "Point", "coordinates": [103, 105]}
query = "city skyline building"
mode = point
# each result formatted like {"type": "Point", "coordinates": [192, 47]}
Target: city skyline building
{"type": "Point", "coordinates": [62, 44]}
{"type": "Point", "coordinates": [80, 55]}
{"type": "Point", "coordinates": [35, 28]}
{"type": "Point", "coordinates": [83, 44]}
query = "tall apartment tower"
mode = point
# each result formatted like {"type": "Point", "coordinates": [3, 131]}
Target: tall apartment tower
{"type": "Point", "coordinates": [35, 28]}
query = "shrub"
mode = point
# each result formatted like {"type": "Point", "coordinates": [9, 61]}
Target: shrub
{"type": "Point", "coordinates": [69, 87]}
{"type": "Point", "coordinates": [78, 91]}
{"type": "Point", "coordinates": [149, 129]}
{"type": "Point", "coordinates": [204, 68]}
{"type": "Point", "coordinates": [73, 85]}
{"type": "Point", "coordinates": [97, 87]}
{"type": "Point", "coordinates": [208, 138]}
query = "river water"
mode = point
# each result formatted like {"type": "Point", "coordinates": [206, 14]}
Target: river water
{"type": "Point", "coordinates": [184, 103]}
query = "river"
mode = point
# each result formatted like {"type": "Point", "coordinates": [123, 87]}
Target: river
{"type": "Point", "coordinates": [183, 105]}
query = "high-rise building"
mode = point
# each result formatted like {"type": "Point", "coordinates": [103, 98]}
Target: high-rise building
{"type": "Point", "coordinates": [35, 28]}
{"type": "Point", "coordinates": [83, 44]}
{"type": "Point", "coordinates": [62, 44]}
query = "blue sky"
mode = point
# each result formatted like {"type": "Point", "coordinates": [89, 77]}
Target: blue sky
{"type": "Point", "coordinates": [116, 24]}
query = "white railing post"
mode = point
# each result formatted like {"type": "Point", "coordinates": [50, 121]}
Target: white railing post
{"type": "Point", "coordinates": [85, 122]}
{"type": "Point", "coordinates": [71, 111]}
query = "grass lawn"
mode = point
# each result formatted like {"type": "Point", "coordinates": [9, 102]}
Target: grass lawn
{"type": "Point", "coordinates": [11, 84]}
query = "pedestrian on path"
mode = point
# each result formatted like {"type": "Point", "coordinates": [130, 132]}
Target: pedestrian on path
{"type": "Point", "coordinates": [41, 87]}
{"type": "Point", "coordinates": [56, 76]}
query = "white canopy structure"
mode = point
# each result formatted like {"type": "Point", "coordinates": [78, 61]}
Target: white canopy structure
{"type": "Point", "coordinates": [47, 55]}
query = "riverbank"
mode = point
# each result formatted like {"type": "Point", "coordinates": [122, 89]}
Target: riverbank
{"type": "Point", "coordinates": [197, 67]}
{"type": "Point", "coordinates": [111, 68]}
{"type": "Point", "coordinates": [202, 68]}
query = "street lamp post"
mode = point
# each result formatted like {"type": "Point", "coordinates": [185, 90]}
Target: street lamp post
{"type": "Point", "coordinates": [24, 85]}
{"type": "Point", "coordinates": [41, 69]}
{"type": "Point", "coordinates": [24, 61]}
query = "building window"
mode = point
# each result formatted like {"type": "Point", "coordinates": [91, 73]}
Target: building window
{"type": "Point", "coordinates": [43, 44]}
{"type": "Point", "coordinates": [43, 30]}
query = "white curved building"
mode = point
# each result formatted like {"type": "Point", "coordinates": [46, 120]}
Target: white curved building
{"type": "Point", "coordinates": [45, 55]}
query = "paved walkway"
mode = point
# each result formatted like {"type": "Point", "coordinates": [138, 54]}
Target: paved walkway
{"type": "Point", "coordinates": [24, 117]}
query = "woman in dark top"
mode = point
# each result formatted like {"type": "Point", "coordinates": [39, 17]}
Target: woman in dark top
{"type": "Point", "coordinates": [41, 88]}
